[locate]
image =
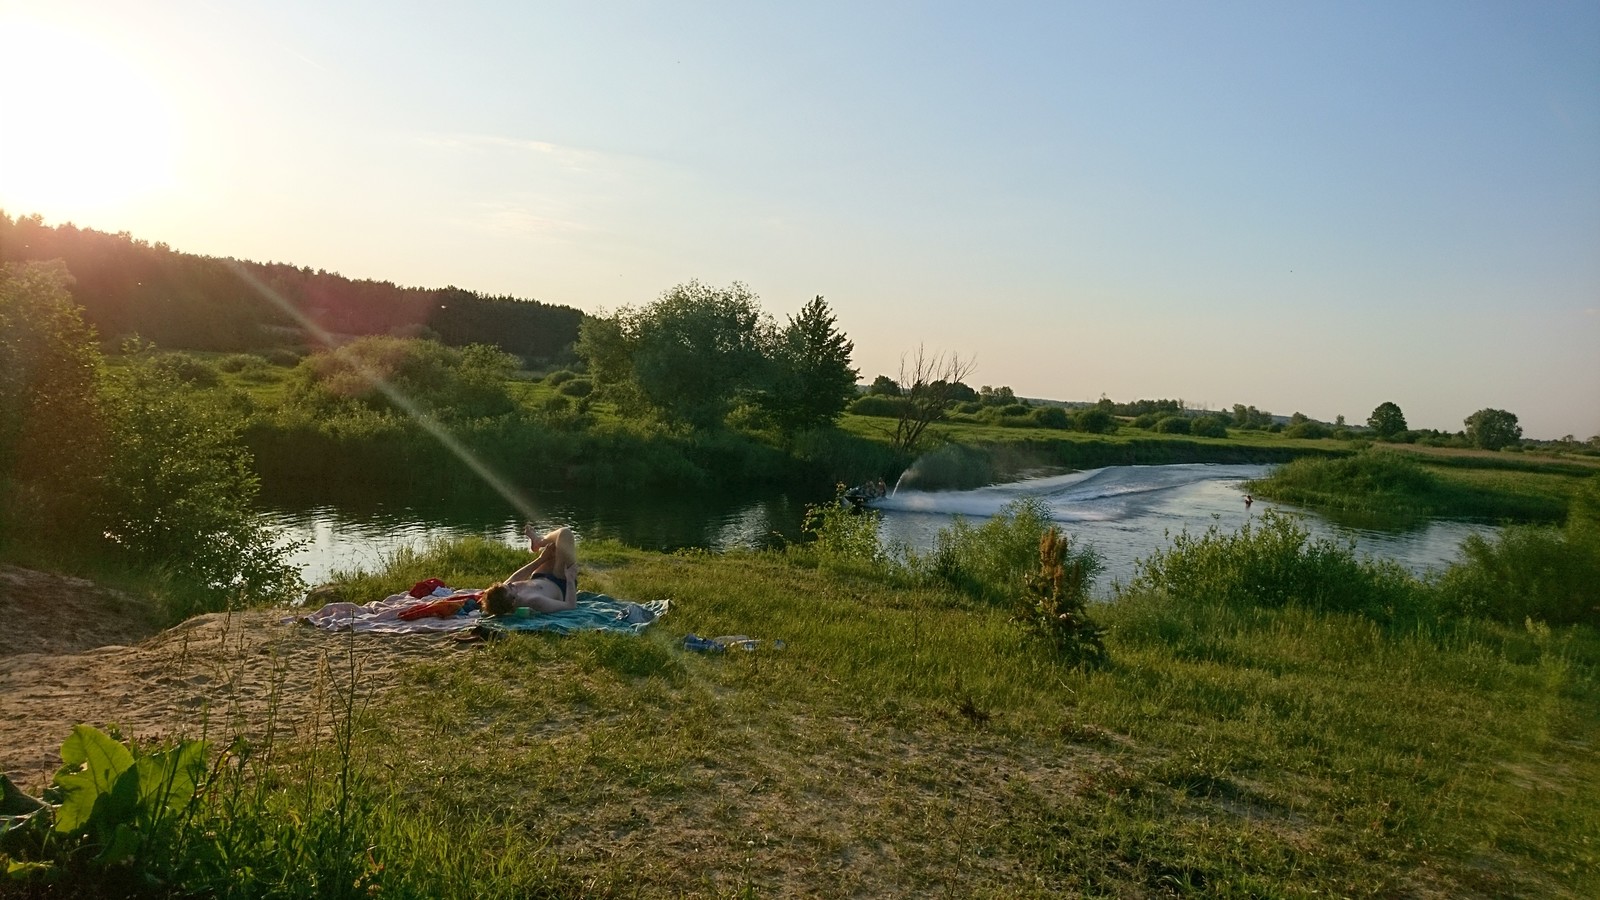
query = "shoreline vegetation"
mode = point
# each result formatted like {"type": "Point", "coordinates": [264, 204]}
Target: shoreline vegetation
{"type": "Point", "coordinates": [1255, 713]}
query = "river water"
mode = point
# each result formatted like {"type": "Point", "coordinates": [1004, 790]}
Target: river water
{"type": "Point", "coordinates": [1124, 512]}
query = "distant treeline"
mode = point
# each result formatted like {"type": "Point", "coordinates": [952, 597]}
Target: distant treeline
{"type": "Point", "coordinates": [183, 301]}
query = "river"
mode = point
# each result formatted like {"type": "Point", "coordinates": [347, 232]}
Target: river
{"type": "Point", "coordinates": [1124, 512]}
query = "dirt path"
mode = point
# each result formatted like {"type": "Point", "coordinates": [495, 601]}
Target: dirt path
{"type": "Point", "coordinates": [73, 652]}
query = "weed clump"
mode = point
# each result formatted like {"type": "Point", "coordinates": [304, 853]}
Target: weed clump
{"type": "Point", "coordinates": [1055, 605]}
{"type": "Point", "coordinates": [1274, 563]}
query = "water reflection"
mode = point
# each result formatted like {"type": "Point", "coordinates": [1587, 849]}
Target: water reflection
{"type": "Point", "coordinates": [1125, 512]}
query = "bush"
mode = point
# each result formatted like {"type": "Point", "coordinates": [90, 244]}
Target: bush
{"type": "Point", "coordinates": [576, 387]}
{"type": "Point", "coordinates": [1525, 572]}
{"type": "Point", "coordinates": [1094, 420]}
{"type": "Point", "coordinates": [1380, 482]}
{"type": "Point", "coordinates": [1307, 431]}
{"type": "Point", "coordinates": [1147, 420]}
{"type": "Point", "coordinates": [187, 368]}
{"type": "Point", "coordinates": [1050, 417]}
{"type": "Point", "coordinates": [398, 375]}
{"type": "Point", "coordinates": [843, 536]}
{"type": "Point", "coordinates": [878, 405]}
{"type": "Point", "coordinates": [239, 362]}
{"type": "Point", "coordinates": [181, 493]}
{"type": "Point", "coordinates": [1209, 426]}
{"type": "Point", "coordinates": [1173, 425]}
{"type": "Point", "coordinates": [991, 562]}
{"type": "Point", "coordinates": [283, 357]}
{"type": "Point", "coordinates": [1272, 563]}
{"type": "Point", "coordinates": [1532, 572]}
{"type": "Point", "coordinates": [560, 377]}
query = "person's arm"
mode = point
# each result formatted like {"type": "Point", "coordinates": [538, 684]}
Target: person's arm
{"type": "Point", "coordinates": [526, 572]}
{"type": "Point", "coordinates": [572, 586]}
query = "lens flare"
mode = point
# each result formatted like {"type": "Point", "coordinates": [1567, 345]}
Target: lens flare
{"type": "Point", "coordinates": [435, 429]}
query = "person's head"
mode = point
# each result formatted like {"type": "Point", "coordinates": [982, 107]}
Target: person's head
{"type": "Point", "coordinates": [497, 600]}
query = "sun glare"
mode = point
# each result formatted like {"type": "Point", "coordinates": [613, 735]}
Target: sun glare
{"type": "Point", "coordinates": [85, 130]}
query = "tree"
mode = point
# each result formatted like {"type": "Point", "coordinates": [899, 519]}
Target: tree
{"type": "Point", "coordinates": [885, 386]}
{"type": "Point", "coordinates": [996, 396]}
{"type": "Point", "coordinates": [687, 356]}
{"type": "Point", "coordinates": [1491, 429]}
{"type": "Point", "coordinates": [1387, 420]}
{"type": "Point", "coordinates": [812, 379]}
{"type": "Point", "coordinates": [51, 422]}
{"type": "Point", "coordinates": [929, 383]}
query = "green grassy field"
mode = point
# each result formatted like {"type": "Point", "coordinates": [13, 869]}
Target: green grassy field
{"type": "Point", "coordinates": [910, 740]}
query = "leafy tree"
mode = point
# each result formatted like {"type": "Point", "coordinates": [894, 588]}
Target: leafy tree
{"type": "Point", "coordinates": [51, 427]}
{"type": "Point", "coordinates": [813, 379]}
{"type": "Point", "coordinates": [1387, 420]}
{"type": "Point", "coordinates": [996, 396]}
{"type": "Point", "coordinates": [885, 386]}
{"type": "Point", "coordinates": [958, 392]}
{"type": "Point", "coordinates": [687, 356]}
{"type": "Point", "coordinates": [1492, 429]}
{"type": "Point", "coordinates": [1251, 418]}
{"type": "Point", "coordinates": [182, 491]}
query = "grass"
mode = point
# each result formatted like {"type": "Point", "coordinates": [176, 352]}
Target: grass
{"type": "Point", "coordinates": [909, 742]}
{"type": "Point", "coordinates": [1388, 484]}
{"type": "Point", "coordinates": [913, 741]}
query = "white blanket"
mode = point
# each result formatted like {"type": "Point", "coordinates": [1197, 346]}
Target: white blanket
{"type": "Point", "coordinates": [383, 616]}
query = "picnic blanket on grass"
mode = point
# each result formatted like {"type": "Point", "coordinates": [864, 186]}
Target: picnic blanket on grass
{"type": "Point", "coordinates": [595, 612]}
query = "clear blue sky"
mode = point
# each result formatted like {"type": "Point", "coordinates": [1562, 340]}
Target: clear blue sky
{"type": "Point", "coordinates": [1312, 207]}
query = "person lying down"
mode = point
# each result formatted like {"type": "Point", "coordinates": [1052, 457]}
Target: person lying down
{"type": "Point", "coordinates": [548, 584]}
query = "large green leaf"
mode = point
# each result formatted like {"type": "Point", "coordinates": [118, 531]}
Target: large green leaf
{"type": "Point", "coordinates": [92, 765]}
{"type": "Point", "coordinates": [168, 779]}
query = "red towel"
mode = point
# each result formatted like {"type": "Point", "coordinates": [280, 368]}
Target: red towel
{"type": "Point", "coordinates": [444, 608]}
{"type": "Point", "coordinates": [424, 588]}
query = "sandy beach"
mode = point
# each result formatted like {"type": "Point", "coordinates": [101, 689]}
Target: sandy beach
{"type": "Point", "coordinates": [75, 652]}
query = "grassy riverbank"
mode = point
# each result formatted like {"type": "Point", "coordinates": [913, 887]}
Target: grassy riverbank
{"type": "Point", "coordinates": [1400, 485]}
{"type": "Point", "coordinates": [912, 739]}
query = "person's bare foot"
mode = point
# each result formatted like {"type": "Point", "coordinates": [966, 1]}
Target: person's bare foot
{"type": "Point", "coordinates": [532, 536]}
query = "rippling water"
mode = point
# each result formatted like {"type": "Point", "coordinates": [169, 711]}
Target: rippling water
{"type": "Point", "coordinates": [1125, 512]}
{"type": "Point", "coordinates": [1128, 512]}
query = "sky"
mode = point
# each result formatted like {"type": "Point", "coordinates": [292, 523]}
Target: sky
{"type": "Point", "coordinates": [1307, 207]}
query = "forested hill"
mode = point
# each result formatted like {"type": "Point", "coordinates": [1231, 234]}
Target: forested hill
{"type": "Point", "coordinates": [183, 301]}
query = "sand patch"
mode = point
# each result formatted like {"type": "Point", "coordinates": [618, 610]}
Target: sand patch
{"type": "Point", "coordinates": [77, 653]}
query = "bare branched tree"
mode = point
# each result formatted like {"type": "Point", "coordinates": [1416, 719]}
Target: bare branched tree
{"type": "Point", "coordinates": [927, 384]}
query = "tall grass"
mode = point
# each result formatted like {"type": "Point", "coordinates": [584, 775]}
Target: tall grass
{"type": "Point", "coordinates": [1273, 562]}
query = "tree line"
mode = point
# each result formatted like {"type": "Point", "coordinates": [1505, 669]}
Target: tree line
{"type": "Point", "coordinates": [128, 287]}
